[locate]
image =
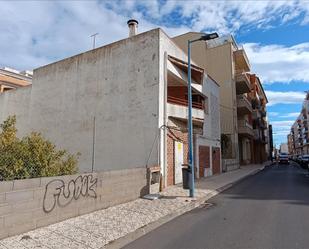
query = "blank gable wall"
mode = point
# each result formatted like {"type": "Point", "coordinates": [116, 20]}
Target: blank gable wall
{"type": "Point", "coordinates": [118, 85]}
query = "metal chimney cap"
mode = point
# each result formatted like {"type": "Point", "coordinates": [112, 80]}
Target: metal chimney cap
{"type": "Point", "coordinates": [132, 21]}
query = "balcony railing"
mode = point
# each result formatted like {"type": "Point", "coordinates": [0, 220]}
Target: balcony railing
{"type": "Point", "coordinates": [184, 102]}
{"type": "Point", "coordinates": [256, 134]}
{"type": "Point", "coordinates": [241, 59]}
{"type": "Point", "coordinates": [265, 139]}
{"type": "Point", "coordinates": [263, 124]}
{"type": "Point", "coordinates": [242, 82]}
{"type": "Point", "coordinates": [256, 114]}
{"type": "Point", "coordinates": [243, 105]}
{"type": "Point", "coordinates": [263, 112]}
{"type": "Point", "coordinates": [245, 128]}
{"type": "Point", "coordinates": [181, 112]}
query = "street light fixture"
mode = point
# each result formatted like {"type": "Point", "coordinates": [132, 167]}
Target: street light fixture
{"type": "Point", "coordinates": [204, 37]}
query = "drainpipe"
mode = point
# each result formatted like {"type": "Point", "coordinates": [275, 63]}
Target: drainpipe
{"type": "Point", "coordinates": [164, 119]}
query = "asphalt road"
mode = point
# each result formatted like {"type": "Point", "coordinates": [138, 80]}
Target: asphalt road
{"type": "Point", "coordinates": [267, 210]}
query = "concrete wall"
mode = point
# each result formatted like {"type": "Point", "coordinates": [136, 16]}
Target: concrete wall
{"type": "Point", "coordinates": [17, 102]}
{"type": "Point", "coordinates": [32, 203]}
{"type": "Point", "coordinates": [106, 98]}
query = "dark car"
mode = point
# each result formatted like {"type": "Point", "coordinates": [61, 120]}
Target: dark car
{"type": "Point", "coordinates": [284, 158]}
{"type": "Point", "coordinates": [305, 161]}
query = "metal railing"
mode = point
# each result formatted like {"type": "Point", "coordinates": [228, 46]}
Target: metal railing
{"type": "Point", "coordinates": [184, 102]}
{"type": "Point", "coordinates": [244, 123]}
{"type": "Point", "coordinates": [242, 97]}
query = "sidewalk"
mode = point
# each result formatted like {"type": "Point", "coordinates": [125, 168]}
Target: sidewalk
{"type": "Point", "coordinates": [116, 226]}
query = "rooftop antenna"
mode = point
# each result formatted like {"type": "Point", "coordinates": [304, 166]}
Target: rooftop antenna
{"type": "Point", "coordinates": [94, 36]}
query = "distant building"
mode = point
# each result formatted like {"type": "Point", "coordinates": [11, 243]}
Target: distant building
{"type": "Point", "coordinates": [260, 143]}
{"type": "Point", "coordinates": [271, 142]}
{"type": "Point", "coordinates": [284, 148]}
{"type": "Point", "coordinates": [242, 98]}
{"type": "Point", "coordinates": [12, 79]}
{"type": "Point", "coordinates": [290, 144]}
{"type": "Point", "coordinates": [298, 139]}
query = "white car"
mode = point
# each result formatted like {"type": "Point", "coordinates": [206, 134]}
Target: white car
{"type": "Point", "coordinates": [284, 158]}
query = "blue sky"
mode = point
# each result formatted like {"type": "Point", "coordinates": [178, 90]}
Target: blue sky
{"type": "Point", "coordinates": [274, 33]}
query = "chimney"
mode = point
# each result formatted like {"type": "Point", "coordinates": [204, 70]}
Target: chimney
{"type": "Point", "coordinates": [132, 24]}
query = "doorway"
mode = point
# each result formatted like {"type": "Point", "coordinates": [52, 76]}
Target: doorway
{"type": "Point", "coordinates": [178, 148]}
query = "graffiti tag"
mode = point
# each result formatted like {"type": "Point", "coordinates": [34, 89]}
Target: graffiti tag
{"type": "Point", "coordinates": [58, 193]}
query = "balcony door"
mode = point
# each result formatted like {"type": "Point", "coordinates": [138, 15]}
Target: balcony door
{"type": "Point", "coordinates": [178, 148]}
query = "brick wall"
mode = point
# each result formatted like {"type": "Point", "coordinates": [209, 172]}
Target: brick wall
{"type": "Point", "coordinates": [32, 203]}
{"type": "Point", "coordinates": [175, 135]}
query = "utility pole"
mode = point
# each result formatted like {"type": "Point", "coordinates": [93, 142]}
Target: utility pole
{"type": "Point", "coordinates": [204, 37]}
{"type": "Point", "coordinates": [94, 36]}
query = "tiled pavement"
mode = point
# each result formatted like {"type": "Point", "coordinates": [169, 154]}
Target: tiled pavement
{"type": "Point", "coordinates": [100, 228]}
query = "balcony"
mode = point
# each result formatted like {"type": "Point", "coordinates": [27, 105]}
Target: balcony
{"type": "Point", "coordinates": [178, 108]}
{"type": "Point", "coordinates": [184, 102]}
{"type": "Point", "coordinates": [242, 82]}
{"type": "Point", "coordinates": [256, 134]}
{"type": "Point", "coordinates": [256, 114]}
{"type": "Point", "coordinates": [263, 124]}
{"type": "Point", "coordinates": [243, 105]}
{"type": "Point", "coordinates": [264, 139]}
{"type": "Point", "coordinates": [263, 112]}
{"type": "Point", "coordinates": [241, 60]}
{"type": "Point", "coordinates": [244, 128]}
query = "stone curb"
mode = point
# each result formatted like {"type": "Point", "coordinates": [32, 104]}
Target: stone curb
{"type": "Point", "coordinates": [130, 237]}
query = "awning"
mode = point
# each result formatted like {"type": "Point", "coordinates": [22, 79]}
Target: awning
{"type": "Point", "coordinates": [179, 77]}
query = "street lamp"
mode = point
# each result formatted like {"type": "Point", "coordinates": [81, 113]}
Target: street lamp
{"type": "Point", "coordinates": [204, 37]}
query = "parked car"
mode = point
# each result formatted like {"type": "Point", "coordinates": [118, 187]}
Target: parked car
{"type": "Point", "coordinates": [305, 161]}
{"type": "Point", "coordinates": [284, 158]}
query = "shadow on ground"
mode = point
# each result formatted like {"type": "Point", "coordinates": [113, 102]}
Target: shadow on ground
{"type": "Point", "coordinates": [288, 183]}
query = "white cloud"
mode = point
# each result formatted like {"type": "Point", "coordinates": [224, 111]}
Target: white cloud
{"type": "Point", "coordinates": [273, 114]}
{"type": "Point", "coordinates": [52, 30]}
{"type": "Point", "coordinates": [281, 129]}
{"type": "Point", "coordinates": [290, 115]}
{"type": "Point", "coordinates": [284, 97]}
{"type": "Point", "coordinates": [276, 63]}
{"type": "Point", "coordinates": [284, 123]}
{"type": "Point", "coordinates": [223, 16]}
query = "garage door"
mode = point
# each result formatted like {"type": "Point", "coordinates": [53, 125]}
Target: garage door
{"type": "Point", "coordinates": [204, 161]}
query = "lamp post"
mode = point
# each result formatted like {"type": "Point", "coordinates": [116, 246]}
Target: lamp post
{"type": "Point", "coordinates": [190, 126]}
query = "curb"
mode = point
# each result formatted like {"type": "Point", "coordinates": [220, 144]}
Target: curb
{"type": "Point", "coordinates": [130, 237]}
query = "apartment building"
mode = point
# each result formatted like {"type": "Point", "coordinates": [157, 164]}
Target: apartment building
{"type": "Point", "coordinates": [258, 118]}
{"type": "Point", "coordinates": [12, 79]}
{"type": "Point", "coordinates": [298, 139]}
{"type": "Point", "coordinates": [296, 135]}
{"type": "Point", "coordinates": [124, 106]}
{"type": "Point", "coordinates": [229, 65]}
{"type": "Point", "coordinates": [290, 144]}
